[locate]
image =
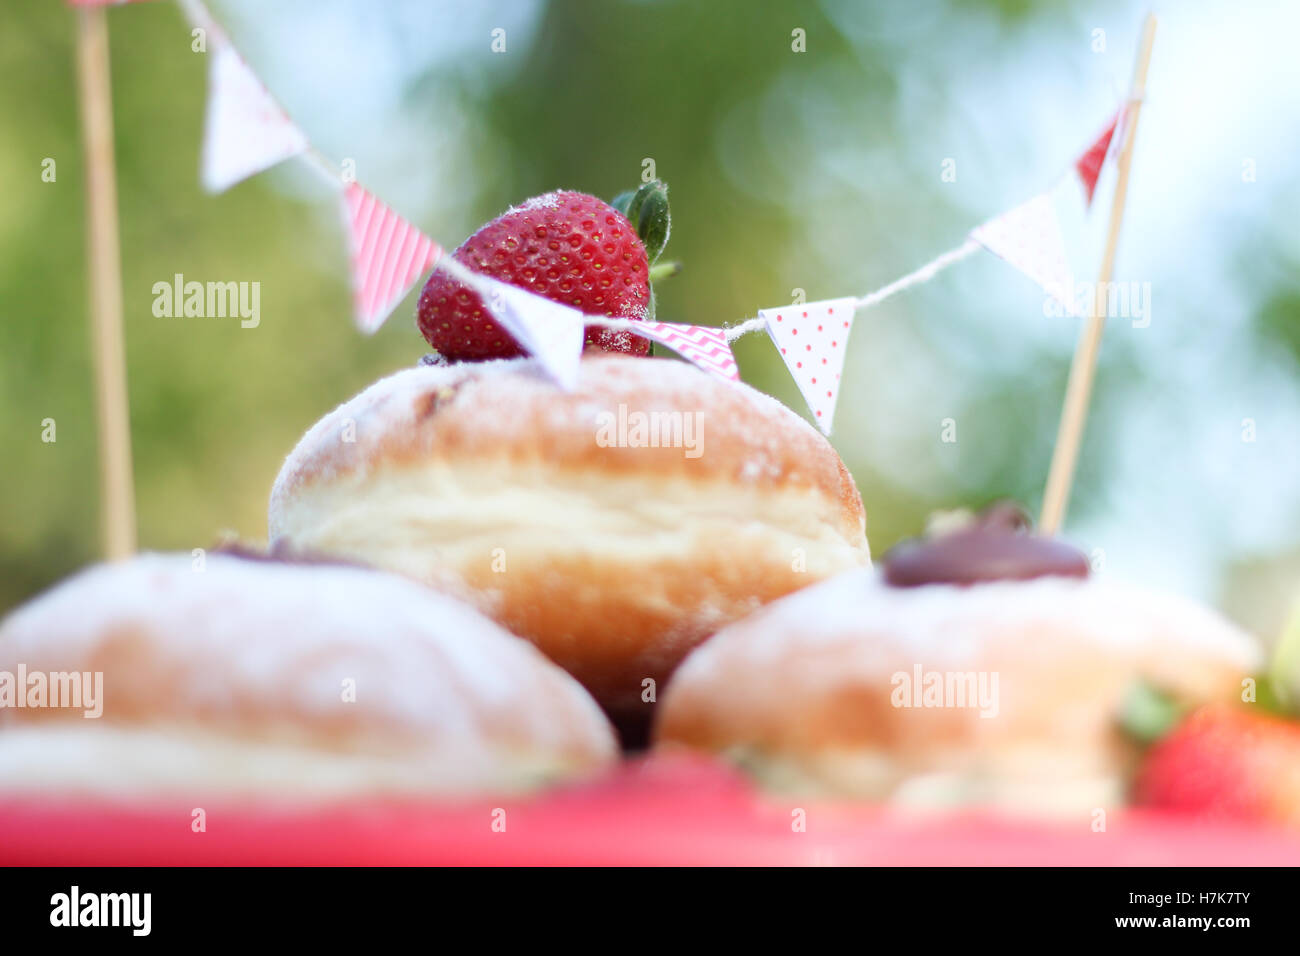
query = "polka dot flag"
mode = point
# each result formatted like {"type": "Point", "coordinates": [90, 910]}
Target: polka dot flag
{"type": "Point", "coordinates": [812, 338]}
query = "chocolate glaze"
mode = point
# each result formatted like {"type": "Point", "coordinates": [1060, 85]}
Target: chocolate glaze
{"type": "Point", "coordinates": [281, 554]}
{"type": "Point", "coordinates": [997, 547]}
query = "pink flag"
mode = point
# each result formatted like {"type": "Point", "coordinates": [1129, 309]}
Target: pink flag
{"type": "Point", "coordinates": [701, 345]}
{"type": "Point", "coordinates": [246, 131]}
{"type": "Point", "coordinates": [1089, 164]}
{"type": "Point", "coordinates": [1029, 238]}
{"type": "Point", "coordinates": [388, 256]}
{"type": "Point", "coordinates": [551, 332]}
{"type": "Point", "coordinates": [812, 338]}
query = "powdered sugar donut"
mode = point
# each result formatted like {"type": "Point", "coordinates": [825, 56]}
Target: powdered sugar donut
{"type": "Point", "coordinates": [1004, 693]}
{"type": "Point", "coordinates": [240, 677]}
{"type": "Point", "coordinates": [615, 526]}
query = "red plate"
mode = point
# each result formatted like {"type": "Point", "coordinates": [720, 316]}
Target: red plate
{"type": "Point", "coordinates": [676, 810]}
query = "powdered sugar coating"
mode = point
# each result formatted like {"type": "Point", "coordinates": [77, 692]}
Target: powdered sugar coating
{"type": "Point", "coordinates": [880, 628]}
{"type": "Point", "coordinates": [1003, 694]}
{"type": "Point", "coordinates": [509, 410]}
{"type": "Point", "coordinates": [549, 200]}
{"type": "Point", "coordinates": [263, 650]}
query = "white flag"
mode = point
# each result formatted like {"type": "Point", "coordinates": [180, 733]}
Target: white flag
{"type": "Point", "coordinates": [245, 131]}
{"type": "Point", "coordinates": [549, 331]}
{"type": "Point", "coordinates": [1029, 238]}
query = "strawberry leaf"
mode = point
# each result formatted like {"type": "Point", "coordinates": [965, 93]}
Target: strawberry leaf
{"type": "Point", "coordinates": [652, 222]}
{"type": "Point", "coordinates": [622, 201]}
{"type": "Point", "coordinates": [664, 270]}
{"type": "Point", "coordinates": [1148, 713]}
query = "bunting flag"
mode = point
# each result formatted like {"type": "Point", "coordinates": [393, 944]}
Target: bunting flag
{"type": "Point", "coordinates": [812, 338]}
{"type": "Point", "coordinates": [388, 256]}
{"type": "Point", "coordinates": [246, 131]}
{"type": "Point", "coordinates": [1029, 238]}
{"type": "Point", "coordinates": [1088, 166]}
{"type": "Point", "coordinates": [549, 331]}
{"type": "Point", "coordinates": [700, 345]}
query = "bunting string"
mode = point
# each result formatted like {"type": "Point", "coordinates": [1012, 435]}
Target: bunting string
{"type": "Point", "coordinates": [247, 131]}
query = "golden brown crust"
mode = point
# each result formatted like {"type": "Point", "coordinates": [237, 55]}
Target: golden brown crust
{"type": "Point", "coordinates": [508, 409]}
{"type": "Point", "coordinates": [810, 681]}
{"type": "Point", "coordinates": [487, 481]}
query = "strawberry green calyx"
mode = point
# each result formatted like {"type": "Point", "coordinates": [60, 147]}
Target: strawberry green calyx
{"type": "Point", "coordinates": [1148, 713]}
{"type": "Point", "coordinates": [647, 210]}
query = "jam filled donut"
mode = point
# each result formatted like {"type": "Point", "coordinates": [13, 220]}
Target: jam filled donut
{"type": "Point", "coordinates": [615, 526]}
{"type": "Point", "coordinates": [982, 666]}
{"type": "Point", "coordinates": [242, 678]}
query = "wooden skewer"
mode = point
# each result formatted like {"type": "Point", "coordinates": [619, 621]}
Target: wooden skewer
{"type": "Point", "coordinates": [1074, 414]}
{"type": "Point", "coordinates": [117, 493]}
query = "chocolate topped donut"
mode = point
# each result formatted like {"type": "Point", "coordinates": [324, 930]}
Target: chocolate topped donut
{"type": "Point", "coordinates": [997, 546]}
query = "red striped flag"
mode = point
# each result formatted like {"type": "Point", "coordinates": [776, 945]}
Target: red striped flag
{"type": "Point", "coordinates": [1088, 166]}
{"type": "Point", "coordinates": [388, 256]}
{"type": "Point", "coordinates": [699, 344]}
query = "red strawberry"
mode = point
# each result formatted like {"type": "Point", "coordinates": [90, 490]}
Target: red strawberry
{"type": "Point", "coordinates": [565, 246]}
{"type": "Point", "coordinates": [1226, 761]}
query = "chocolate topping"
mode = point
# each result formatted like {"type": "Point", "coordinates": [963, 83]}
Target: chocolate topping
{"type": "Point", "coordinates": [280, 554]}
{"type": "Point", "coordinates": [997, 547]}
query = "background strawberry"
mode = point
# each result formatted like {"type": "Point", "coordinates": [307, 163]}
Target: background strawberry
{"type": "Point", "coordinates": [1226, 761]}
{"type": "Point", "coordinates": [566, 246]}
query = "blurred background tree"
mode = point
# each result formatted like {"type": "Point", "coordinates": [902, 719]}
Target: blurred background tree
{"type": "Point", "coordinates": [817, 170]}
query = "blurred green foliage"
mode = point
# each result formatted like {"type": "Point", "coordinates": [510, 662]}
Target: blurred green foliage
{"type": "Point", "coordinates": [591, 92]}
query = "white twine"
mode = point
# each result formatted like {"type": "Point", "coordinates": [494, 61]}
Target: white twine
{"type": "Point", "coordinates": [198, 15]}
{"type": "Point", "coordinates": [917, 277]}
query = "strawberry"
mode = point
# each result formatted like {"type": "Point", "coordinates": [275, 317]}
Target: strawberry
{"type": "Point", "coordinates": [1226, 761]}
{"type": "Point", "coordinates": [565, 246]}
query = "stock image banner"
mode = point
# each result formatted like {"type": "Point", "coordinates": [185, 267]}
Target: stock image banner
{"type": "Point", "coordinates": [650, 433]}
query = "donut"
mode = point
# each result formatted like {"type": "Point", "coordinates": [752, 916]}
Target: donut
{"type": "Point", "coordinates": [229, 677]}
{"type": "Point", "coordinates": [988, 670]}
{"type": "Point", "coordinates": [615, 526]}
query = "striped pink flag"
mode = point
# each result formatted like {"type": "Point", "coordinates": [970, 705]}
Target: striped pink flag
{"type": "Point", "coordinates": [388, 256]}
{"type": "Point", "coordinates": [699, 344]}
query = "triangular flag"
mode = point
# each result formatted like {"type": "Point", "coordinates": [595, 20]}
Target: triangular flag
{"type": "Point", "coordinates": [1088, 166]}
{"type": "Point", "coordinates": [701, 345]}
{"type": "Point", "coordinates": [1029, 238]}
{"type": "Point", "coordinates": [549, 331]}
{"type": "Point", "coordinates": [246, 131]}
{"type": "Point", "coordinates": [811, 338]}
{"type": "Point", "coordinates": [388, 256]}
